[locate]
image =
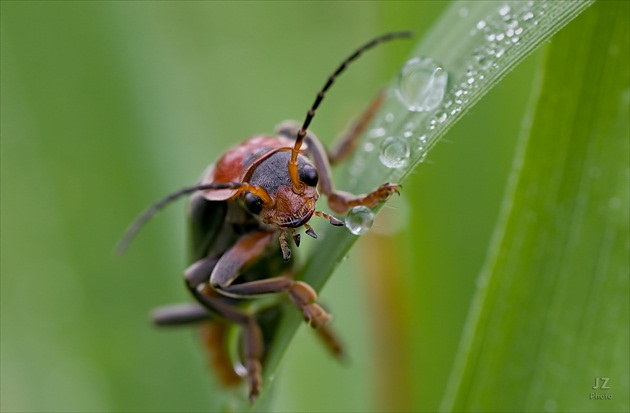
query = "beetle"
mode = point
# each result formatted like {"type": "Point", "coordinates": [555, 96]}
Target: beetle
{"type": "Point", "coordinates": [242, 215]}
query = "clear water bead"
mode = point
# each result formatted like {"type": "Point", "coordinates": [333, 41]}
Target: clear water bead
{"type": "Point", "coordinates": [359, 220]}
{"type": "Point", "coordinates": [394, 152]}
{"type": "Point", "coordinates": [421, 84]}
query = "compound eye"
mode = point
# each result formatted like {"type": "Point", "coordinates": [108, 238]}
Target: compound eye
{"type": "Point", "coordinates": [309, 176]}
{"type": "Point", "coordinates": [253, 203]}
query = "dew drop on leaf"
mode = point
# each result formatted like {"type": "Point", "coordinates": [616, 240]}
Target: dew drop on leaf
{"type": "Point", "coordinates": [394, 152]}
{"type": "Point", "coordinates": [359, 220]}
{"type": "Point", "coordinates": [421, 84]}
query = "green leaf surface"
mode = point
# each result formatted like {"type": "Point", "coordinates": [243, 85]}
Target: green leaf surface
{"type": "Point", "coordinates": [551, 313]}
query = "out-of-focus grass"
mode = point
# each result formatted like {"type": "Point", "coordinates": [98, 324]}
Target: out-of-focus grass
{"type": "Point", "coordinates": [551, 314]}
{"type": "Point", "coordinates": [107, 107]}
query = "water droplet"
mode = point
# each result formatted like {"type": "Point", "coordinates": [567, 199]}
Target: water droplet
{"type": "Point", "coordinates": [528, 16]}
{"type": "Point", "coordinates": [500, 37]}
{"type": "Point", "coordinates": [421, 84]}
{"type": "Point", "coordinates": [394, 152]}
{"type": "Point", "coordinates": [503, 11]}
{"type": "Point", "coordinates": [389, 118]}
{"type": "Point", "coordinates": [481, 24]}
{"type": "Point", "coordinates": [408, 134]}
{"type": "Point", "coordinates": [500, 52]}
{"type": "Point", "coordinates": [377, 133]}
{"type": "Point", "coordinates": [484, 62]}
{"type": "Point", "coordinates": [441, 117]}
{"type": "Point", "coordinates": [359, 220]}
{"type": "Point", "coordinates": [368, 147]}
{"type": "Point", "coordinates": [240, 369]}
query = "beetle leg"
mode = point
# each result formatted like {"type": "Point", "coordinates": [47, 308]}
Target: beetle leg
{"type": "Point", "coordinates": [252, 347]}
{"type": "Point", "coordinates": [252, 354]}
{"type": "Point", "coordinates": [296, 237]}
{"type": "Point", "coordinates": [179, 314]}
{"type": "Point", "coordinates": [214, 336]}
{"type": "Point", "coordinates": [348, 141]}
{"type": "Point", "coordinates": [199, 271]}
{"type": "Point", "coordinates": [331, 341]}
{"type": "Point", "coordinates": [334, 221]}
{"type": "Point", "coordinates": [284, 246]}
{"type": "Point", "coordinates": [300, 293]}
{"type": "Point", "coordinates": [310, 231]}
{"type": "Point", "coordinates": [197, 276]}
{"type": "Point", "coordinates": [340, 201]}
{"type": "Point", "coordinates": [246, 249]}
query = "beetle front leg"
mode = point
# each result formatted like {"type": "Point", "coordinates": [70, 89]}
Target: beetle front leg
{"type": "Point", "coordinates": [300, 293]}
{"type": "Point", "coordinates": [245, 250]}
{"type": "Point", "coordinates": [340, 201]}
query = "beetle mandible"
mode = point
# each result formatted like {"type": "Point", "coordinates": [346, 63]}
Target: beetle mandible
{"type": "Point", "coordinates": [259, 191]}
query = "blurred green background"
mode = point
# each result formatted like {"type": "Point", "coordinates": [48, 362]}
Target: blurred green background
{"type": "Point", "coordinates": [106, 107]}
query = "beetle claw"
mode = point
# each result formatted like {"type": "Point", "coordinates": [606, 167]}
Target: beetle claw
{"type": "Point", "coordinates": [310, 231]}
{"type": "Point", "coordinates": [296, 238]}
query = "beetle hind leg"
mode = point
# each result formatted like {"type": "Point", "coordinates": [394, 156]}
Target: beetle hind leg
{"type": "Point", "coordinates": [304, 297]}
{"type": "Point", "coordinates": [213, 334]}
{"type": "Point", "coordinates": [331, 341]}
{"type": "Point", "coordinates": [252, 349]}
{"type": "Point", "coordinates": [300, 293]}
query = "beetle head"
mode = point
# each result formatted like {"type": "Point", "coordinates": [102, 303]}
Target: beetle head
{"type": "Point", "coordinates": [288, 209]}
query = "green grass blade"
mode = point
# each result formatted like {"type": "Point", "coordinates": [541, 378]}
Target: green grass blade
{"type": "Point", "coordinates": [468, 48]}
{"type": "Point", "coordinates": [551, 313]}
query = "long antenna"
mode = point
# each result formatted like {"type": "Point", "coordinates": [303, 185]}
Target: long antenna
{"type": "Point", "coordinates": [293, 165]}
{"type": "Point", "coordinates": [155, 208]}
